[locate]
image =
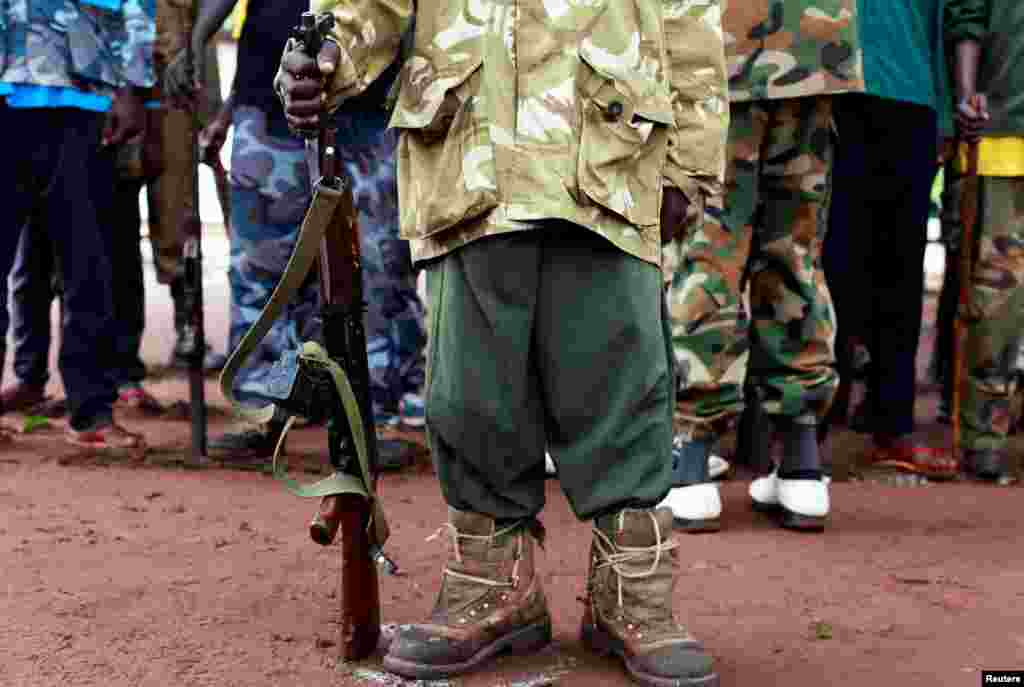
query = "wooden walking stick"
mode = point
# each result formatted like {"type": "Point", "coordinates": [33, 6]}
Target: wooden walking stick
{"type": "Point", "coordinates": [968, 222]}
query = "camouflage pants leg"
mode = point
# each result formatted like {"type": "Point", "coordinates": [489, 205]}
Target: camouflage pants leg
{"type": "Point", "coordinates": [996, 314]}
{"type": "Point", "coordinates": [767, 236]}
{"type": "Point", "coordinates": [259, 253]}
{"type": "Point", "coordinates": [395, 334]}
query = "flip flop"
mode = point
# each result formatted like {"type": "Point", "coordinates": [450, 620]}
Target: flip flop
{"type": "Point", "coordinates": [933, 463]}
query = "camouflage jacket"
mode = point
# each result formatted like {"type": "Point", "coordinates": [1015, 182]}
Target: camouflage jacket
{"type": "Point", "coordinates": [543, 109]}
{"type": "Point", "coordinates": [791, 48]}
{"type": "Point", "coordinates": [88, 46]}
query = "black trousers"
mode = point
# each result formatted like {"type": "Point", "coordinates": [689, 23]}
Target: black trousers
{"type": "Point", "coordinates": [32, 291]}
{"type": "Point", "coordinates": [874, 251]}
{"type": "Point", "coordinates": [56, 172]}
{"type": "Point", "coordinates": [29, 299]}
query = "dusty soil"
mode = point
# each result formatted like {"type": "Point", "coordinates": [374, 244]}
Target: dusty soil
{"type": "Point", "coordinates": [124, 572]}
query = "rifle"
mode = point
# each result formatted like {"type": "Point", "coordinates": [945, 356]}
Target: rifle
{"type": "Point", "coordinates": [330, 381]}
{"type": "Point", "coordinates": [342, 307]}
{"type": "Point", "coordinates": [192, 255]}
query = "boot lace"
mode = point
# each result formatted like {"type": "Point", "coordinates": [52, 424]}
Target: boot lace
{"type": "Point", "coordinates": [457, 536]}
{"type": "Point", "coordinates": [618, 557]}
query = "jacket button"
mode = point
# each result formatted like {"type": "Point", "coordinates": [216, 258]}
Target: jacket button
{"type": "Point", "coordinates": [615, 110]}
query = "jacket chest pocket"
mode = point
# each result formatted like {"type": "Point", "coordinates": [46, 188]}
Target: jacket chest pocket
{"type": "Point", "coordinates": [446, 172]}
{"type": "Point", "coordinates": [623, 140]}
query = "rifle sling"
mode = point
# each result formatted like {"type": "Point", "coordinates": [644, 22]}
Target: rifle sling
{"type": "Point", "coordinates": [307, 248]}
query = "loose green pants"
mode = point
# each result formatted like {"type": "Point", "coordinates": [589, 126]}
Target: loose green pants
{"type": "Point", "coordinates": [548, 338]}
{"type": "Point", "coordinates": [995, 313]}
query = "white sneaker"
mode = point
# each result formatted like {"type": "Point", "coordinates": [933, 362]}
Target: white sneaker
{"type": "Point", "coordinates": [549, 465]}
{"type": "Point", "coordinates": [717, 466]}
{"type": "Point", "coordinates": [803, 503]}
{"type": "Point", "coordinates": [764, 492]}
{"type": "Point", "coordinates": [696, 508]}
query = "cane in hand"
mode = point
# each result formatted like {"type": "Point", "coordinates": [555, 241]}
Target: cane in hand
{"type": "Point", "coordinates": [968, 222]}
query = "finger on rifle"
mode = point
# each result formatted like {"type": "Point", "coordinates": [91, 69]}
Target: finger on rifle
{"type": "Point", "coordinates": [299, 65]}
{"type": "Point", "coordinates": [303, 90]}
{"type": "Point", "coordinates": [304, 126]}
{"type": "Point", "coordinates": [303, 108]}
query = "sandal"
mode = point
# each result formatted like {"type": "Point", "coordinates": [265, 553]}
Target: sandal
{"type": "Point", "coordinates": [933, 463]}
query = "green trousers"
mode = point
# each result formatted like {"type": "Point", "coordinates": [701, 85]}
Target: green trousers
{"type": "Point", "coordinates": [996, 322]}
{"type": "Point", "coordinates": [550, 338]}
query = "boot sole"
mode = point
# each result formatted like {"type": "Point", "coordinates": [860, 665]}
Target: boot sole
{"type": "Point", "coordinates": [790, 520]}
{"type": "Point", "coordinates": [603, 644]}
{"type": "Point", "coordinates": [525, 640]}
{"type": "Point", "coordinates": [696, 526]}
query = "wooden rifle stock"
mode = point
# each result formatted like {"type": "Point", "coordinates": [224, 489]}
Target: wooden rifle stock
{"type": "Point", "coordinates": [341, 294]}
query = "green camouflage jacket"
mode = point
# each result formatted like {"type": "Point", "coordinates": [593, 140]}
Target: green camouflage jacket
{"type": "Point", "coordinates": [791, 48]}
{"type": "Point", "coordinates": [543, 109]}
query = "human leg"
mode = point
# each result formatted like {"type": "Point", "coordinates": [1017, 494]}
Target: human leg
{"type": "Point", "coordinates": [995, 327]}
{"type": "Point", "coordinates": [710, 324]}
{"type": "Point", "coordinates": [792, 358]}
{"type": "Point", "coordinates": [485, 421]}
{"type": "Point", "coordinates": [75, 217]}
{"type": "Point", "coordinates": [31, 297]}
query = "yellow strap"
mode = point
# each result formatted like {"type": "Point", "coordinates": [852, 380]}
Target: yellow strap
{"type": "Point", "coordinates": [997, 157]}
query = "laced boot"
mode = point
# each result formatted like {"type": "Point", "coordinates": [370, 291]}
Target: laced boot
{"type": "Point", "coordinates": [490, 602]}
{"type": "Point", "coordinates": [633, 564]}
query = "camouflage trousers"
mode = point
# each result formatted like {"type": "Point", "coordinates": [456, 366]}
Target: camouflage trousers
{"type": "Point", "coordinates": [995, 314]}
{"type": "Point", "coordinates": [748, 299]}
{"type": "Point", "coordinates": [270, 193]}
{"type": "Point", "coordinates": [395, 333]}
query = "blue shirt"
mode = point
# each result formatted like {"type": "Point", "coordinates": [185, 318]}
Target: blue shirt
{"type": "Point", "coordinates": [114, 50]}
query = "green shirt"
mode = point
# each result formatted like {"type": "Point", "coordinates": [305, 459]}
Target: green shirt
{"type": "Point", "coordinates": [904, 55]}
{"type": "Point", "coordinates": [999, 26]}
{"type": "Point", "coordinates": [792, 48]}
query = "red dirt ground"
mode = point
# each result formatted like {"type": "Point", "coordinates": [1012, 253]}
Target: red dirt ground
{"type": "Point", "coordinates": [123, 574]}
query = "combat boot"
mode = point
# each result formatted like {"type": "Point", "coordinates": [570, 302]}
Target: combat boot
{"type": "Point", "coordinates": [490, 602]}
{"type": "Point", "coordinates": [633, 569]}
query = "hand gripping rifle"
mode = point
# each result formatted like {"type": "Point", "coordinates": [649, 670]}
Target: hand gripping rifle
{"type": "Point", "coordinates": [192, 257]}
{"type": "Point", "coordinates": [330, 381]}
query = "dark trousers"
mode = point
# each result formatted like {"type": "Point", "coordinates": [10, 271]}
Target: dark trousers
{"type": "Point", "coordinates": [129, 296]}
{"type": "Point", "coordinates": [32, 290]}
{"type": "Point", "coordinates": [874, 251]}
{"type": "Point", "coordinates": [56, 171]}
{"type": "Point", "coordinates": [549, 338]}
